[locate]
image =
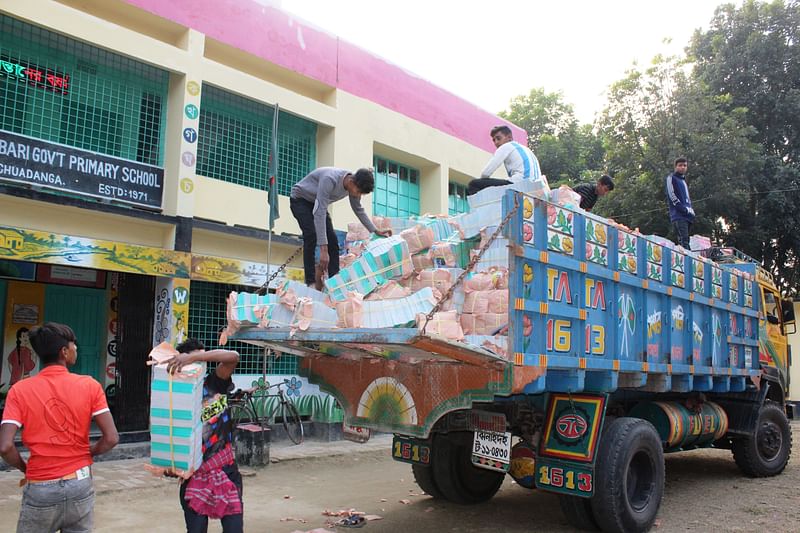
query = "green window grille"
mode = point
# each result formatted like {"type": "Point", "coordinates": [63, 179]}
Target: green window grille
{"type": "Point", "coordinates": [457, 199]}
{"type": "Point", "coordinates": [396, 191]}
{"type": "Point", "coordinates": [235, 138]}
{"type": "Point", "coordinates": [111, 104]}
{"type": "Point", "coordinates": [207, 318]}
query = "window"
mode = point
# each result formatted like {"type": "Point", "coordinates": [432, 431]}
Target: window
{"type": "Point", "coordinates": [396, 189]}
{"type": "Point", "coordinates": [85, 126]}
{"type": "Point", "coordinates": [207, 318]}
{"type": "Point", "coordinates": [457, 199]}
{"type": "Point", "coordinates": [771, 307]}
{"type": "Point", "coordinates": [235, 136]}
{"type": "Point", "coordinates": [111, 104]}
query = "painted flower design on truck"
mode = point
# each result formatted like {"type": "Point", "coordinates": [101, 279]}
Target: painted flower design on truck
{"type": "Point", "coordinates": [600, 234]}
{"type": "Point", "coordinates": [527, 273]}
{"type": "Point", "coordinates": [527, 208]}
{"type": "Point", "coordinates": [527, 232]}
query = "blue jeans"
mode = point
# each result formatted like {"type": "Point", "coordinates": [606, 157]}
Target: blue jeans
{"type": "Point", "coordinates": [66, 505]}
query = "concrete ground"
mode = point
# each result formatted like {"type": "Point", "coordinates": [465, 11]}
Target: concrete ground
{"type": "Point", "coordinates": [704, 492]}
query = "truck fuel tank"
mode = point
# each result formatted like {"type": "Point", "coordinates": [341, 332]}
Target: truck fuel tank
{"type": "Point", "coordinates": [682, 428]}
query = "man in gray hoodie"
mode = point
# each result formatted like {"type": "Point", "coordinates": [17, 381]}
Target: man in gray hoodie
{"type": "Point", "coordinates": [309, 202]}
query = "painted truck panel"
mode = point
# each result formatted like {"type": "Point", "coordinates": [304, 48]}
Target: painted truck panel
{"type": "Point", "coordinates": [599, 313]}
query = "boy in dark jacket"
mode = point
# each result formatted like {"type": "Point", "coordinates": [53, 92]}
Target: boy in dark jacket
{"type": "Point", "coordinates": [681, 213]}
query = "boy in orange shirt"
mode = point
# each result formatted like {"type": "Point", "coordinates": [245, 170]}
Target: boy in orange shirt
{"type": "Point", "coordinates": [54, 409]}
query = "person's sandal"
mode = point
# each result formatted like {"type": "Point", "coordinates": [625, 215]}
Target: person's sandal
{"type": "Point", "coordinates": [352, 521]}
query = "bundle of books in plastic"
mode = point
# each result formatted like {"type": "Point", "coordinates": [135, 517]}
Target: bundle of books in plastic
{"type": "Point", "coordinates": [397, 281]}
{"type": "Point", "coordinates": [176, 404]}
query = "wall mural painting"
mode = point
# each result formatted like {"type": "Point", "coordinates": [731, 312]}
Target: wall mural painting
{"type": "Point", "coordinates": [43, 247]}
{"type": "Point", "coordinates": [238, 272]}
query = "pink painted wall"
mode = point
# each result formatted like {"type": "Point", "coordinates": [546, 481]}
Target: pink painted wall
{"type": "Point", "coordinates": [285, 40]}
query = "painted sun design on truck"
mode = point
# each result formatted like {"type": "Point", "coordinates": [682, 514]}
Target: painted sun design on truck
{"type": "Point", "coordinates": [387, 401]}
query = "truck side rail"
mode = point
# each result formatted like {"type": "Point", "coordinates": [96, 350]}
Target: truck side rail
{"type": "Point", "coordinates": [601, 307]}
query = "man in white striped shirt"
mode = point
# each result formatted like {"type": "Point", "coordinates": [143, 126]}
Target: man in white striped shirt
{"type": "Point", "coordinates": [518, 159]}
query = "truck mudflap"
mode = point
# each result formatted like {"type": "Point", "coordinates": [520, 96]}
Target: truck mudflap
{"type": "Point", "coordinates": [395, 380]}
{"type": "Point", "coordinates": [566, 458]}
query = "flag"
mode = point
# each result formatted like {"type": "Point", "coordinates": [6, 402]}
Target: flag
{"type": "Point", "coordinates": [273, 172]}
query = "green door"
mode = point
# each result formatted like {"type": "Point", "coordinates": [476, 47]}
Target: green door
{"type": "Point", "coordinates": [84, 311]}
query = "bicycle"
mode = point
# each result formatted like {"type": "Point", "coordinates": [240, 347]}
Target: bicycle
{"type": "Point", "coordinates": [244, 403]}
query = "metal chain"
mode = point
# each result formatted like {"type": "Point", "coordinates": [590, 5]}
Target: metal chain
{"type": "Point", "coordinates": [471, 265]}
{"type": "Point", "coordinates": [265, 287]}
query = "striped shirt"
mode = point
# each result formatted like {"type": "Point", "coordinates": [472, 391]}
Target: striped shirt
{"type": "Point", "coordinates": [588, 192]}
{"type": "Point", "coordinates": [519, 161]}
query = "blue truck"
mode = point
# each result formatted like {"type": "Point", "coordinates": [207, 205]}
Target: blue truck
{"type": "Point", "coordinates": [621, 348]}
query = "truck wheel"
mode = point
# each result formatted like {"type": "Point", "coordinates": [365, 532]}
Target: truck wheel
{"type": "Point", "coordinates": [629, 476]}
{"type": "Point", "coordinates": [457, 479]}
{"type": "Point", "coordinates": [578, 512]}
{"type": "Point", "coordinates": [765, 452]}
{"type": "Point", "coordinates": [423, 475]}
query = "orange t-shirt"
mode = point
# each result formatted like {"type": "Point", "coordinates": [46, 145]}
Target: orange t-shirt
{"type": "Point", "coordinates": [54, 409]}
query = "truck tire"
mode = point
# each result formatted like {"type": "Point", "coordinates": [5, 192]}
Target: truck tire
{"type": "Point", "coordinates": [629, 476]}
{"type": "Point", "coordinates": [578, 512]}
{"type": "Point", "coordinates": [456, 478]}
{"type": "Point", "coordinates": [765, 452]}
{"type": "Point", "coordinates": [423, 475]}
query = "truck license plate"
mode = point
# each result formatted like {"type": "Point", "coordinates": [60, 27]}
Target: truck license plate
{"type": "Point", "coordinates": [408, 450]}
{"type": "Point", "coordinates": [563, 477]}
{"type": "Point", "coordinates": [355, 433]}
{"type": "Point", "coordinates": [492, 450]}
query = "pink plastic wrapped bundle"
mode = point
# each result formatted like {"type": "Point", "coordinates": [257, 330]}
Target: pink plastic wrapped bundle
{"type": "Point", "coordinates": [421, 261]}
{"type": "Point", "coordinates": [290, 288]}
{"type": "Point", "coordinates": [491, 301]}
{"type": "Point", "coordinates": [436, 278]}
{"type": "Point", "coordinates": [390, 290]}
{"type": "Point", "coordinates": [419, 238]}
{"type": "Point", "coordinates": [476, 302]}
{"type": "Point", "coordinates": [357, 232]}
{"type": "Point", "coordinates": [497, 301]}
{"type": "Point", "coordinates": [699, 242]}
{"type": "Point", "coordinates": [355, 247]}
{"type": "Point", "coordinates": [483, 324]}
{"type": "Point", "coordinates": [494, 343]}
{"type": "Point", "coordinates": [442, 254]}
{"type": "Point", "coordinates": [309, 313]}
{"type": "Point", "coordinates": [347, 259]}
{"type": "Point", "coordinates": [499, 277]}
{"type": "Point", "coordinates": [350, 311]}
{"type": "Point", "coordinates": [444, 324]}
{"type": "Point", "coordinates": [565, 197]}
{"type": "Point", "coordinates": [481, 281]}
{"type": "Point", "coordinates": [382, 223]}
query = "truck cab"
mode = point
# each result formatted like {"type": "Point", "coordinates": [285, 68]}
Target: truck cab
{"type": "Point", "coordinates": [776, 316]}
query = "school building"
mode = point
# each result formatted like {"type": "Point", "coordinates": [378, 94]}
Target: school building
{"type": "Point", "coordinates": [134, 145]}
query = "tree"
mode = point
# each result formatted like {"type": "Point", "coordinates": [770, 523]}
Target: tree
{"type": "Point", "coordinates": [567, 151]}
{"type": "Point", "coordinates": [751, 55]}
{"type": "Point", "coordinates": [652, 117]}
{"type": "Point", "coordinates": [750, 60]}
{"type": "Point", "coordinates": [540, 113]}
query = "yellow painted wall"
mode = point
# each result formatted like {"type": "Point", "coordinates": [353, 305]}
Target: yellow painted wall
{"type": "Point", "coordinates": [350, 129]}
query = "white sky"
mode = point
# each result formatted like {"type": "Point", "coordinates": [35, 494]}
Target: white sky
{"type": "Point", "coordinates": [489, 52]}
